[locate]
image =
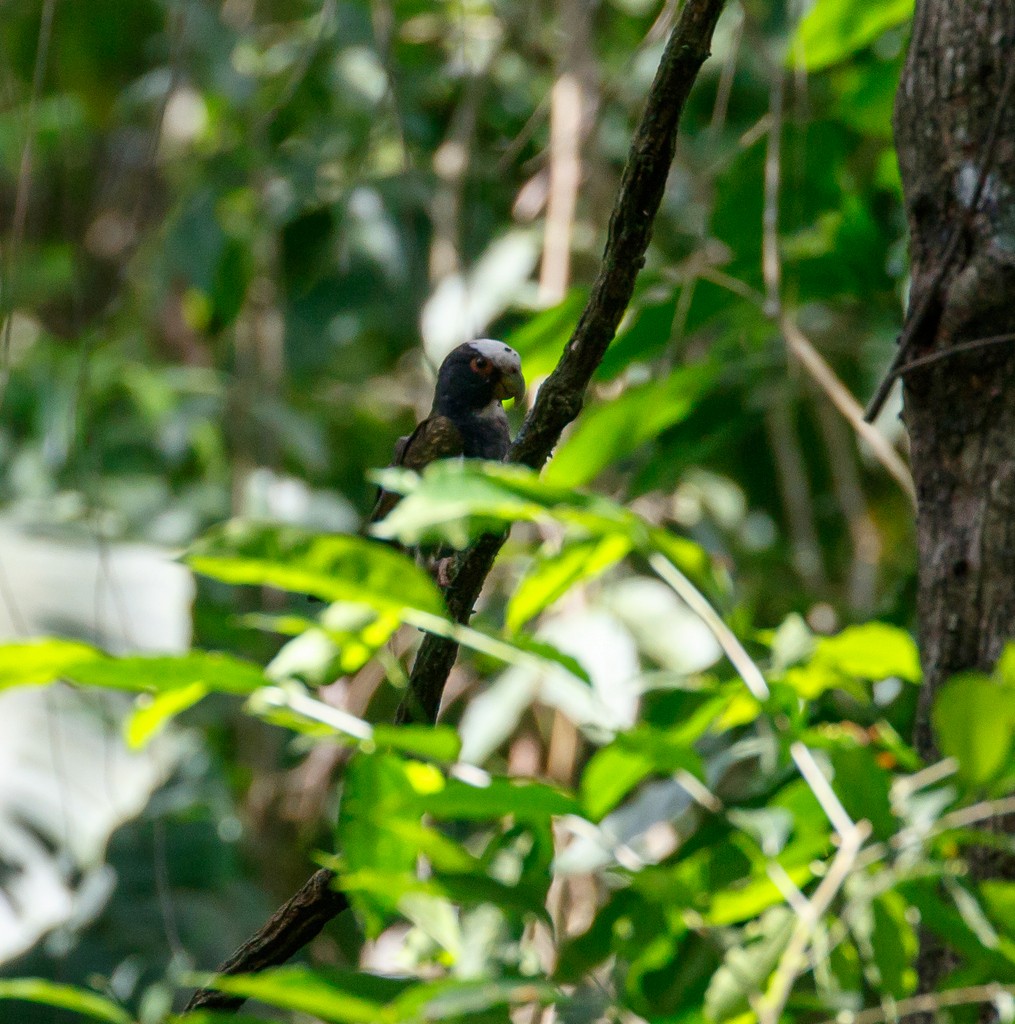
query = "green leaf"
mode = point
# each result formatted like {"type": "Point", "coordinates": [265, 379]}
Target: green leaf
{"type": "Point", "coordinates": [456, 499]}
{"type": "Point", "coordinates": [746, 968]}
{"type": "Point", "coordinates": [974, 718]}
{"type": "Point", "coordinates": [618, 767]}
{"type": "Point", "coordinates": [864, 786]}
{"type": "Point", "coordinates": [746, 900]}
{"type": "Point", "coordinates": [344, 997]}
{"type": "Point", "coordinates": [999, 902]}
{"type": "Point", "coordinates": [553, 576]}
{"type": "Point", "coordinates": [379, 791]}
{"type": "Point", "coordinates": [150, 717]}
{"type": "Point", "coordinates": [218, 673]}
{"type": "Point", "coordinates": [41, 661]}
{"type": "Point", "coordinates": [608, 432]}
{"type": "Point", "coordinates": [895, 945]}
{"type": "Point", "coordinates": [334, 567]}
{"type": "Point", "coordinates": [832, 30]}
{"type": "Point", "coordinates": [871, 652]}
{"type": "Point", "coordinates": [525, 801]}
{"type": "Point", "coordinates": [437, 743]}
{"type": "Point", "coordinates": [65, 997]}
{"type": "Point", "coordinates": [454, 998]}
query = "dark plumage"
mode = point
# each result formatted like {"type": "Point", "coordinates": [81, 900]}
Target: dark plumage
{"type": "Point", "coordinates": [466, 418]}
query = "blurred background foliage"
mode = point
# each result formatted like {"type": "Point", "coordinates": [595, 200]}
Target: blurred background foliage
{"type": "Point", "coordinates": [238, 236]}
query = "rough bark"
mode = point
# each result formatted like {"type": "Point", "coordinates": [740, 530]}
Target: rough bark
{"type": "Point", "coordinates": [960, 411]}
{"type": "Point", "coordinates": [955, 133]}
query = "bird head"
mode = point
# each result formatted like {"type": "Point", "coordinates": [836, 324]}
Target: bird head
{"type": "Point", "coordinates": [476, 374]}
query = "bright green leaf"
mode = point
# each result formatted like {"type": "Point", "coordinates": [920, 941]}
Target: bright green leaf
{"type": "Point", "coordinates": [832, 30]}
{"type": "Point", "coordinates": [551, 577]}
{"type": "Point", "coordinates": [610, 431]}
{"type": "Point", "coordinates": [334, 567]}
{"type": "Point", "coordinates": [525, 801]}
{"type": "Point", "coordinates": [45, 660]}
{"type": "Point", "coordinates": [974, 718]}
{"type": "Point", "coordinates": [218, 673]}
{"type": "Point", "coordinates": [872, 651]}
{"type": "Point", "coordinates": [65, 997]}
{"type": "Point", "coordinates": [343, 997]}
{"type": "Point", "coordinates": [437, 743]}
{"type": "Point", "coordinates": [153, 713]}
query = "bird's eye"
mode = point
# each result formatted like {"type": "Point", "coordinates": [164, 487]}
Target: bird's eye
{"type": "Point", "coordinates": [481, 365]}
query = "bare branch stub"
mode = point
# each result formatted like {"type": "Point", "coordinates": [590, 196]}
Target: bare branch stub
{"type": "Point", "coordinates": [559, 402]}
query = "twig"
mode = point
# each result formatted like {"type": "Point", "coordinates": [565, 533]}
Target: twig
{"type": "Point", "coordinates": [791, 962]}
{"type": "Point", "coordinates": [558, 403]}
{"type": "Point", "coordinates": [916, 322]}
{"type": "Point", "coordinates": [842, 398]}
{"type": "Point", "coordinates": [23, 188]}
{"type": "Point", "coordinates": [796, 341]}
{"type": "Point", "coordinates": [953, 350]}
{"type": "Point", "coordinates": [823, 792]}
{"type": "Point", "coordinates": [731, 646]}
{"type": "Point", "coordinates": [928, 1003]}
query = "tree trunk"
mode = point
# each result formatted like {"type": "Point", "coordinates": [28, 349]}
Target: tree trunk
{"type": "Point", "coordinates": [960, 410]}
{"type": "Point", "coordinates": [955, 133]}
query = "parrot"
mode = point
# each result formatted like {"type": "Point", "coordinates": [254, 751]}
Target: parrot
{"type": "Point", "coordinates": [467, 419]}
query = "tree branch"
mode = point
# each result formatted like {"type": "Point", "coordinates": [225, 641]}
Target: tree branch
{"type": "Point", "coordinates": [290, 928]}
{"type": "Point", "coordinates": [560, 398]}
{"type": "Point", "coordinates": [558, 403]}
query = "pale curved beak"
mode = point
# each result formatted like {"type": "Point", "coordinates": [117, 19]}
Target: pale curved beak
{"type": "Point", "coordinates": [510, 385]}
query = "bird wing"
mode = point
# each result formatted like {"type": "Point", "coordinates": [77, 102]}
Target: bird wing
{"type": "Point", "coordinates": [435, 438]}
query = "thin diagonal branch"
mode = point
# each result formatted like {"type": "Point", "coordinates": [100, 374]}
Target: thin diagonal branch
{"type": "Point", "coordinates": [558, 403]}
{"type": "Point", "coordinates": [560, 398]}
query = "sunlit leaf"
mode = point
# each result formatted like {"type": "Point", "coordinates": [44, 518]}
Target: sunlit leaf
{"type": "Point", "coordinates": [377, 793]}
{"type": "Point", "coordinates": [608, 432]}
{"type": "Point", "coordinates": [525, 801]}
{"type": "Point", "coordinates": [334, 567]}
{"type": "Point", "coordinates": [344, 997]}
{"type": "Point", "coordinates": [437, 743]}
{"type": "Point", "coordinates": [457, 500]}
{"type": "Point", "coordinates": [747, 900]}
{"type": "Point", "coordinates": [41, 661]}
{"type": "Point", "coordinates": [974, 718]}
{"type": "Point", "coordinates": [153, 713]}
{"type": "Point", "coordinates": [218, 673]}
{"type": "Point", "coordinates": [64, 997]}
{"type": "Point", "coordinates": [551, 577]}
{"type": "Point", "coordinates": [870, 652]}
{"type": "Point", "coordinates": [834, 29]}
